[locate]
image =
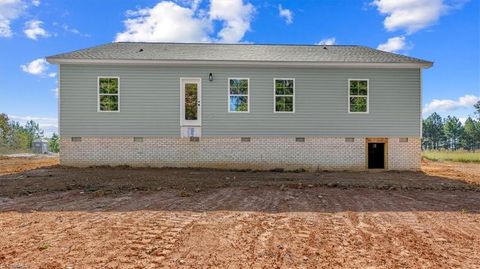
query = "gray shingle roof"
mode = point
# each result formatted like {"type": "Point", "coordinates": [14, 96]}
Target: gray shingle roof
{"type": "Point", "coordinates": [236, 52]}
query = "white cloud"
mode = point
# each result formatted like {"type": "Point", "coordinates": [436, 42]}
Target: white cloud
{"type": "Point", "coordinates": [443, 105]}
{"type": "Point", "coordinates": [38, 67]}
{"type": "Point", "coordinates": [236, 17]}
{"type": "Point", "coordinates": [286, 14]}
{"type": "Point", "coordinates": [49, 125]}
{"type": "Point", "coordinates": [55, 91]}
{"type": "Point", "coordinates": [36, 3]}
{"type": "Point", "coordinates": [33, 30]}
{"type": "Point", "coordinates": [194, 4]}
{"type": "Point", "coordinates": [413, 15]}
{"type": "Point", "coordinates": [9, 11]}
{"type": "Point", "coordinates": [74, 31]}
{"type": "Point", "coordinates": [327, 41]}
{"type": "Point", "coordinates": [393, 44]}
{"type": "Point", "coordinates": [169, 22]}
{"type": "Point", "coordinates": [166, 21]}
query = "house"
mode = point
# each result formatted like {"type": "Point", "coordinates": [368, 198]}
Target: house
{"type": "Point", "coordinates": [240, 106]}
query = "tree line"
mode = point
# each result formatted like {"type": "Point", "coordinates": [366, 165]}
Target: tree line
{"type": "Point", "coordinates": [13, 135]}
{"type": "Point", "coordinates": [450, 134]}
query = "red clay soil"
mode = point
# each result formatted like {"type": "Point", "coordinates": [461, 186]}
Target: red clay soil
{"type": "Point", "coordinates": [468, 172]}
{"type": "Point", "coordinates": [18, 164]}
{"type": "Point", "coordinates": [57, 217]}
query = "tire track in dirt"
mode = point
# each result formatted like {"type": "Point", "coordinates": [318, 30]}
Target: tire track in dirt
{"type": "Point", "coordinates": [144, 238]}
{"type": "Point", "coordinates": [410, 235]}
{"type": "Point", "coordinates": [243, 228]}
{"type": "Point", "coordinates": [465, 235]}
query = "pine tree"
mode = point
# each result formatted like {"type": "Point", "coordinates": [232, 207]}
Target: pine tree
{"type": "Point", "coordinates": [453, 130]}
{"type": "Point", "coordinates": [4, 128]}
{"type": "Point", "coordinates": [477, 109]}
{"type": "Point", "coordinates": [53, 144]}
{"type": "Point", "coordinates": [433, 131]}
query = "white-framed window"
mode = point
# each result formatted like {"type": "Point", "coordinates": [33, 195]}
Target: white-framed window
{"type": "Point", "coordinates": [358, 91]}
{"type": "Point", "coordinates": [239, 95]}
{"type": "Point", "coordinates": [108, 94]}
{"type": "Point", "coordinates": [284, 95]}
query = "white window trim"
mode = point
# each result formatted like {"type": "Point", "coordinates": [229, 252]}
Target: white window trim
{"type": "Point", "coordinates": [368, 95]}
{"type": "Point", "coordinates": [275, 95]}
{"type": "Point", "coordinates": [248, 95]}
{"type": "Point", "coordinates": [98, 94]}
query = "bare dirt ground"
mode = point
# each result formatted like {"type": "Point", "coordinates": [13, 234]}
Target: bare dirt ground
{"type": "Point", "coordinates": [16, 165]}
{"type": "Point", "coordinates": [59, 217]}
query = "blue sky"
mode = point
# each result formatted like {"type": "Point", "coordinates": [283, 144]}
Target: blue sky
{"type": "Point", "coordinates": [446, 32]}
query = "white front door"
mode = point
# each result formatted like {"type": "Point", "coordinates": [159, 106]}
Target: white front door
{"type": "Point", "coordinates": [190, 101]}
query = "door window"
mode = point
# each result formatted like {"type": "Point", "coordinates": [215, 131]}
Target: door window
{"type": "Point", "coordinates": [191, 99]}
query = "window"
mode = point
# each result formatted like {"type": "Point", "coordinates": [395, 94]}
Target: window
{"type": "Point", "coordinates": [284, 95]}
{"type": "Point", "coordinates": [238, 95]}
{"type": "Point", "coordinates": [191, 101]}
{"type": "Point", "coordinates": [358, 95]}
{"type": "Point", "coordinates": [108, 94]}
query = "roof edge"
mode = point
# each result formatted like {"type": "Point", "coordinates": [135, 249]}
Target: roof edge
{"type": "Point", "coordinates": [54, 60]}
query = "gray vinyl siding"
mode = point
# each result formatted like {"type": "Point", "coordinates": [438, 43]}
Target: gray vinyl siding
{"type": "Point", "coordinates": [150, 101]}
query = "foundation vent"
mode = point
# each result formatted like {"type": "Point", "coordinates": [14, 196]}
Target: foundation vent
{"type": "Point", "coordinates": [349, 139]}
{"type": "Point", "coordinates": [138, 139]}
{"type": "Point", "coordinates": [76, 139]}
{"type": "Point", "coordinates": [245, 139]}
{"type": "Point", "coordinates": [194, 139]}
{"type": "Point", "coordinates": [300, 139]}
{"type": "Point", "coordinates": [403, 139]}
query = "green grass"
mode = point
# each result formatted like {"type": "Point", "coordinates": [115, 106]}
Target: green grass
{"type": "Point", "coordinates": [7, 150]}
{"type": "Point", "coordinates": [453, 156]}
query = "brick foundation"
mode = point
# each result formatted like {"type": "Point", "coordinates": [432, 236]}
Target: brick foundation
{"type": "Point", "coordinates": [316, 153]}
{"type": "Point", "coordinates": [404, 155]}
